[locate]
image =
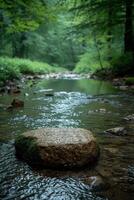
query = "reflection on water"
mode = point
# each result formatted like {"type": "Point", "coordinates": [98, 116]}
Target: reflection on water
{"type": "Point", "coordinates": [89, 104]}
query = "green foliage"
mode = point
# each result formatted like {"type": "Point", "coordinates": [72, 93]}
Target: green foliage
{"type": "Point", "coordinates": [21, 15]}
{"type": "Point", "coordinates": [90, 61]}
{"type": "Point", "coordinates": [8, 69]}
{"type": "Point", "coordinates": [85, 34]}
{"type": "Point", "coordinates": [107, 24]}
{"type": "Point", "coordinates": [11, 68]}
{"type": "Point", "coordinates": [129, 80]}
{"type": "Point", "coordinates": [123, 64]}
{"type": "Point", "coordinates": [87, 64]}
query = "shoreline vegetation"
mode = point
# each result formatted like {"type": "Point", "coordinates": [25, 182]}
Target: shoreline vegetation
{"type": "Point", "coordinates": [14, 68]}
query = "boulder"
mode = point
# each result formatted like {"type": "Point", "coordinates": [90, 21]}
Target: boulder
{"type": "Point", "coordinates": [57, 147]}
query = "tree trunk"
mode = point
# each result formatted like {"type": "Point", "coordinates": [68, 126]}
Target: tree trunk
{"type": "Point", "coordinates": [98, 51]}
{"type": "Point", "coordinates": [128, 40]}
{"type": "Point", "coordinates": [109, 32]}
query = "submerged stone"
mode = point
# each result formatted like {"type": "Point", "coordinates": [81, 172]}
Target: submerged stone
{"type": "Point", "coordinates": [57, 147]}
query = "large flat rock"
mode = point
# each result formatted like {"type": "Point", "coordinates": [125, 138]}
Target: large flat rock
{"type": "Point", "coordinates": [57, 147]}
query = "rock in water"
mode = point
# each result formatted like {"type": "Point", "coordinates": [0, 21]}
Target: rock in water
{"type": "Point", "coordinates": [16, 103]}
{"type": "Point", "coordinates": [129, 117]}
{"type": "Point", "coordinates": [57, 147]}
{"type": "Point", "coordinates": [116, 131]}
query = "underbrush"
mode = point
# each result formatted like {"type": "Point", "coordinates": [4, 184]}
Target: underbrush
{"type": "Point", "coordinates": [121, 66]}
{"type": "Point", "coordinates": [129, 80]}
{"type": "Point", "coordinates": [12, 68]}
{"type": "Point", "coordinates": [89, 63]}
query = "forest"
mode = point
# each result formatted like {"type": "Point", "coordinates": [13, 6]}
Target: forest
{"type": "Point", "coordinates": [66, 99]}
{"type": "Point", "coordinates": [81, 36]}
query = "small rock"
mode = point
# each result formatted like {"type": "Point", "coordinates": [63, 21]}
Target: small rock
{"type": "Point", "coordinates": [123, 87]}
{"type": "Point", "coordinates": [101, 110]}
{"type": "Point", "coordinates": [17, 103]}
{"type": "Point", "coordinates": [16, 91]}
{"type": "Point", "coordinates": [129, 117]}
{"type": "Point", "coordinates": [96, 183]}
{"type": "Point", "coordinates": [117, 82]}
{"type": "Point", "coordinates": [10, 107]}
{"type": "Point", "coordinates": [116, 131]}
{"type": "Point", "coordinates": [26, 94]}
{"type": "Point", "coordinates": [49, 94]}
{"type": "Point", "coordinates": [29, 77]}
{"type": "Point", "coordinates": [132, 87]}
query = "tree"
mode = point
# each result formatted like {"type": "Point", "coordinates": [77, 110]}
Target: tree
{"type": "Point", "coordinates": [17, 17]}
{"type": "Point", "coordinates": [128, 38]}
{"type": "Point", "coordinates": [108, 23]}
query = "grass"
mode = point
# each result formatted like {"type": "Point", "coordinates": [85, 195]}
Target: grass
{"type": "Point", "coordinates": [13, 68]}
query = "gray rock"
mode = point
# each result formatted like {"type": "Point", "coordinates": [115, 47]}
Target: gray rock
{"type": "Point", "coordinates": [96, 183]}
{"type": "Point", "coordinates": [58, 147]}
{"type": "Point", "coordinates": [123, 87]}
{"type": "Point", "coordinates": [129, 117]}
{"type": "Point", "coordinates": [116, 131]}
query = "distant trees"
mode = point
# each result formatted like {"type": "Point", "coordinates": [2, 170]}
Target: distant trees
{"type": "Point", "coordinates": [37, 30]}
{"type": "Point", "coordinates": [66, 32]}
{"type": "Point", "coordinates": [17, 17]}
{"type": "Point", "coordinates": [108, 23]}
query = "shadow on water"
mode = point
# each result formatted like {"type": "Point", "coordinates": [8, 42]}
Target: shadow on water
{"type": "Point", "coordinates": [89, 104]}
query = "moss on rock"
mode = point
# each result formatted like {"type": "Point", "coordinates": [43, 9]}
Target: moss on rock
{"type": "Point", "coordinates": [58, 148]}
{"type": "Point", "coordinates": [26, 149]}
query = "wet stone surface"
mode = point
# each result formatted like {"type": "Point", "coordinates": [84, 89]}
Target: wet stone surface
{"type": "Point", "coordinates": [58, 147]}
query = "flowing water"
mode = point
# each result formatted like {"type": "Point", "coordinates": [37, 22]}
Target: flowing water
{"type": "Point", "coordinates": [89, 104]}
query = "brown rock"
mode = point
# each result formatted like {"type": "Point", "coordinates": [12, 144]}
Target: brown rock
{"type": "Point", "coordinates": [16, 91]}
{"type": "Point", "coordinates": [58, 147]}
{"type": "Point", "coordinates": [17, 103]}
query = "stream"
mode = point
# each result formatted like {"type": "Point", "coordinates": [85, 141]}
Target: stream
{"type": "Point", "coordinates": [81, 103]}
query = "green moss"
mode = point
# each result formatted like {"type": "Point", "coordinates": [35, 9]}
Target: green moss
{"type": "Point", "coordinates": [26, 148]}
{"type": "Point", "coordinates": [129, 81]}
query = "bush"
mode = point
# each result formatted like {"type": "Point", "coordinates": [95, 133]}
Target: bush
{"type": "Point", "coordinates": [12, 68]}
{"type": "Point", "coordinates": [89, 63]}
{"type": "Point", "coordinates": [123, 65]}
{"type": "Point", "coordinates": [129, 81]}
{"type": "Point", "coordinates": [8, 70]}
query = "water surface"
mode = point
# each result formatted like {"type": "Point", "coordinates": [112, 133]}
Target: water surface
{"type": "Point", "coordinates": [90, 104]}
